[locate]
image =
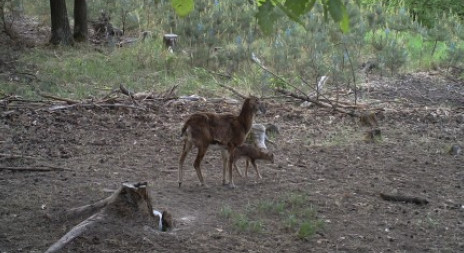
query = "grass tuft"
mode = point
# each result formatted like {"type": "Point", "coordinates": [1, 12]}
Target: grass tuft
{"type": "Point", "coordinates": [292, 212]}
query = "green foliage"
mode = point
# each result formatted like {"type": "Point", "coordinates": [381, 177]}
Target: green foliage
{"type": "Point", "coordinates": [339, 14]}
{"type": "Point", "coordinates": [295, 9]}
{"type": "Point", "coordinates": [439, 32]}
{"type": "Point", "coordinates": [267, 13]}
{"type": "Point", "coordinates": [220, 36]}
{"type": "Point", "coordinates": [425, 12]}
{"type": "Point", "coordinates": [393, 55]}
{"type": "Point", "coordinates": [291, 212]}
{"type": "Point", "coordinates": [226, 212]}
{"type": "Point", "coordinates": [308, 229]}
{"type": "Point", "coordinates": [182, 7]}
{"type": "Point", "coordinates": [455, 55]}
{"type": "Point", "coordinates": [242, 223]}
{"type": "Point", "coordinates": [267, 16]}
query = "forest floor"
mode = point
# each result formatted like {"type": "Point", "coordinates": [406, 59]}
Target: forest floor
{"type": "Point", "coordinates": [322, 194]}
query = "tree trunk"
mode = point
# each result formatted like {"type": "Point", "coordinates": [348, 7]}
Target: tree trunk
{"type": "Point", "coordinates": [80, 20]}
{"type": "Point", "coordinates": [2, 16]}
{"type": "Point", "coordinates": [4, 27]}
{"type": "Point", "coordinates": [61, 31]}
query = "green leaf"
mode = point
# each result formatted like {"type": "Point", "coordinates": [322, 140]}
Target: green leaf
{"type": "Point", "coordinates": [338, 12]}
{"type": "Point", "coordinates": [267, 17]}
{"type": "Point", "coordinates": [345, 22]}
{"type": "Point", "coordinates": [336, 9]}
{"type": "Point", "coordinates": [296, 8]}
{"type": "Point", "coordinates": [182, 7]}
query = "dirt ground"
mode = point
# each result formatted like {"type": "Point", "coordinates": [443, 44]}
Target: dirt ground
{"type": "Point", "coordinates": [319, 154]}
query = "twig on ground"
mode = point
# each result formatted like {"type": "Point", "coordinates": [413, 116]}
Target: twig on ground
{"type": "Point", "coordinates": [14, 156]}
{"type": "Point", "coordinates": [406, 199]}
{"type": "Point", "coordinates": [36, 168]}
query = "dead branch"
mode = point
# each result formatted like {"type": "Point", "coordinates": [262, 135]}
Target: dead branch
{"type": "Point", "coordinates": [257, 61]}
{"type": "Point", "coordinates": [406, 199]}
{"type": "Point", "coordinates": [316, 102]}
{"type": "Point", "coordinates": [76, 231]}
{"type": "Point", "coordinates": [80, 211]}
{"type": "Point", "coordinates": [305, 97]}
{"type": "Point", "coordinates": [129, 93]}
{"type": "Point", "coordinates": [125, 91]}
{"type": "Point", "coordinates": [9, 99]}
{"type": "Point", "coordinates": [109, 95]}
{"type": "Point", "coordinates": [233, 90]}
{"type": "Point", "coordinates": [67, 100]}
{"type": "Point", "coordinates": [92, 105]}
{"type": "Point", "coordinates": [170, 92]}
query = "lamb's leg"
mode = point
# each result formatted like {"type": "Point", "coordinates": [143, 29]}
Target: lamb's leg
{"type": "Point", "coordinates": [236, 169]}
{"type": "Point", "coordinates": [231, 161]}
{"type": "Point", "coordinates": [246, 167]}
{"type": "Point", "coordinates": [185, 150]}
{"type": "Point", "coordinates": [196, 164]}
{"type": "Point", "coordinates": [258, 175]}
{"type": "Point", "coordinates": [224, 157]}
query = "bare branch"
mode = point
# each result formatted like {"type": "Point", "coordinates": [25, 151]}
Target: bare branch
{"type": "Point", "coordinates": [319, 103]}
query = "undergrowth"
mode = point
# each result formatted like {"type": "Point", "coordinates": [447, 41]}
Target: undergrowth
{"type": "Point", "coordinates": [219, 50]}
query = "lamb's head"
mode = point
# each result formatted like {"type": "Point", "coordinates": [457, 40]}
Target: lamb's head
{"type": "Point", "coordinates": [271, 157]}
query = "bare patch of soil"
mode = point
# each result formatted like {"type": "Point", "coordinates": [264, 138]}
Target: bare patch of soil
{"type": "Point", "coordinates": [320, 155]}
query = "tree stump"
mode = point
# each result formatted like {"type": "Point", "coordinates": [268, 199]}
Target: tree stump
{"type": "Point", "coordinates": [130, 204]}
{"type": "Point", "coordinates": [170, 41]}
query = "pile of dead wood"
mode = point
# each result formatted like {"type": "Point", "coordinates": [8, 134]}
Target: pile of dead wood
{"type": "Point", "coordinates": [117, 98]}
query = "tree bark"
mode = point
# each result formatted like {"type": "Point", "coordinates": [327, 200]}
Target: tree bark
{"type": "Point", "coordinates": [80, 20]}
{"type": "Point", "coordinates": [61, 31]}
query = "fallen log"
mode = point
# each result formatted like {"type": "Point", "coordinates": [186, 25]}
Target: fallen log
{"type": "Point", "coordinates": [131, 203]}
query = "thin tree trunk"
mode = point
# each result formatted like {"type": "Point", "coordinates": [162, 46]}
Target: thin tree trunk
{"type": "Point", "coordinates": [2, 16]}
{"type": "Point", "coordinates": [61, 31]}
{"type": "Point", "coordinates": [4, 27]}
{"type": "Point", "coordinates": [80, 20]}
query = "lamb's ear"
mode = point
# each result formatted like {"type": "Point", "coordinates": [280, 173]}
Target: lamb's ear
{"type": "Point", "coordinates": [261, 107]}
